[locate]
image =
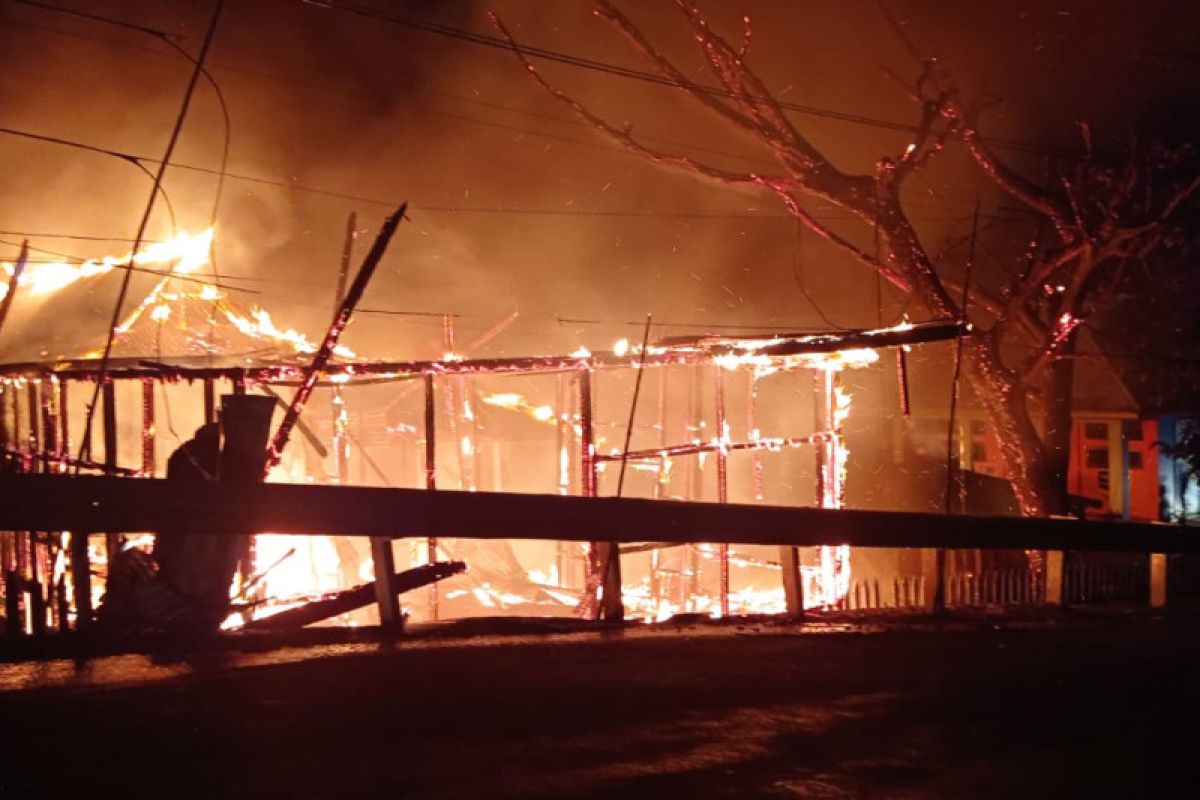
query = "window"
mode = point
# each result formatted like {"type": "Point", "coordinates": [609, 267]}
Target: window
{"type": "Point", "coordinates": [1103, 476]}
{"type": "Point", "coordinates": [1095, 430]}
{"type": "Point", "coordinates": [1135, 459]}
{"type": "Point", "coordinates": [1131, 429]}
{"type": "Point", "coordinates": [1097, 457]}
{"type": "Point", "coordinates": [978, 452]}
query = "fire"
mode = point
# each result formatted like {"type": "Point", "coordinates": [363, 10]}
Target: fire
{"type": "Point", "coordinates": [183, 254]}
{"type": "Point", "coordinates": [260, 325]}
{"type": "Point", "coordinates": [515, 402]}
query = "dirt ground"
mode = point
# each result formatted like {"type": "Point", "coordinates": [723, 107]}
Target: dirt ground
{"type": "Point", "coordinates": [1072, 706]}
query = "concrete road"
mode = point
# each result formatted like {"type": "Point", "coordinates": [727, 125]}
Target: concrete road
{"type": "Point", "coordinates": [1078, 706]}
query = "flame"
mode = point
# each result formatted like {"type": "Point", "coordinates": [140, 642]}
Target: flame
{"type": "Point", "coordinates": [260, 325]}
{"type": "Point", "coordinates": [182, 254]}
{"type": "Point", "coordinates": [515, 402]}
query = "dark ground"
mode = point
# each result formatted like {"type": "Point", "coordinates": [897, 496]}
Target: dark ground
{"type": "Point", "coordinates": [1079, 705]}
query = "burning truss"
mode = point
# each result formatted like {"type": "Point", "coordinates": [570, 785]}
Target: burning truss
{"type": "Point", "coordinates": [37, 393]}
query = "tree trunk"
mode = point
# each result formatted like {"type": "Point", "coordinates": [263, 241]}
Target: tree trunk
{"type": "Point", "coordinates": [1020, 445]}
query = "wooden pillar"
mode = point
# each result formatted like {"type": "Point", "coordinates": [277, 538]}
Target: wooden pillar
{"type": "Point", "coordinates": [722, 479]}
{"type": "Point", "coordinates": [689, 557]}
{"type": "Point", "coordinates": [1054, 578]}
{"type": "Point", "coordinates": [9, 550]}
{"type": "Point", "coordinates": [112, 541]}
{"type": "Point", "coordinates": [431, 543]}
{"type": "Point", "coordinates": [34, 586]}
{"type": "Point", "coordinates": [604, 564]}
{"type": "Point", "coordinates": [1158, 580]}
{"type": "Point", "coordinates": [148, 428]}
{"type": "Point", "coordinates": [210, 400]}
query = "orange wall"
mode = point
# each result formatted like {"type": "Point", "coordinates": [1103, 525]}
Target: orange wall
{"type": "Point", "coordinates": [1088, 480]}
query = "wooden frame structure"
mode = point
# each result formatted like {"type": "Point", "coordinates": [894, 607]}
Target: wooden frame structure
{"type": "Point", "coordinates": [39, 441]}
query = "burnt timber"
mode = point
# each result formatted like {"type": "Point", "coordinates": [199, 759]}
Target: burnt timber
{"type": "Point", "coordinates": [97, 503]}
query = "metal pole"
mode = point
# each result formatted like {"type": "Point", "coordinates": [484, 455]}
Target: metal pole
{"type": "Point", "coordinates": [431, 480]}
{"type": "Point", "coordinates": [722, 478]}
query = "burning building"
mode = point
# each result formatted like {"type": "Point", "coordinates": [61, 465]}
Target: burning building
{"type": "Point", "coordinates": [737, 417]}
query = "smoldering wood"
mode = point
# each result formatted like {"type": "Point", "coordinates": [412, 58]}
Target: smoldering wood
{"type": "Point", "coordinates": [342, 316]}
{"type": "Point", "coordinates": [661, 354]}
{"type": "Point", "coordinates": [96, 503]}
{"type": "Point", "coordinates": [358, 597]}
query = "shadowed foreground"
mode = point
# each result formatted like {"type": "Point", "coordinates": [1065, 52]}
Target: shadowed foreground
{"type": "Point", "coordinates": [1080, 708]}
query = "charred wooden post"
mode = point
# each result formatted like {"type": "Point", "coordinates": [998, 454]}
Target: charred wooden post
{"type": "Point", "coordinates": [33, 586]}
{"type": "Point", "coordinates": [563, 460]}
{"type": "Point", "coordinates": [148, 428]}
{"type": "Point", "coordinates": [112, 540]}
{"type": "Point", "coordinates": [902, 380]}
{"type": "Point", "coordinates": [431, 542]}
{"type": "Point", "coordinates": [722, 478]}
{"type": "Point", "coordinates": [358, 597]}
{"type": "Point", "coordinates": [588, 487]}
{"type": "Point", "coordinates": [210, 400]}
{"type": "Point", "coordinates": [347, 556]}
{"type": "Point", "coordinates": [689, 567]}
{"type": "Point", "coordinates": [660, 486]}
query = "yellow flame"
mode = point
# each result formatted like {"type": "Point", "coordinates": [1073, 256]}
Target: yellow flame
{"type": "Point", "coordinates": [515, 402]}
{"type": "Point", "coordinates": [183, 254]}
{"type": "Point", "coordinates": [260, 325]}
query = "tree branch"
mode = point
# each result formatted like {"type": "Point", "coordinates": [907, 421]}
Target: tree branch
{"type": "Point", "coordinates": [795, 209]}
{"type": "Point", "coordinates": [1017, 186]}
{"type": "Point", "coordinates": [668, 70]}
{"type": "Point", "coordinates": [625, 139]}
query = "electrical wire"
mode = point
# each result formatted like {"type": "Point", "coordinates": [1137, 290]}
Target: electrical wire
{"type": "Point", "coordinates": [102, 374]}
{"type": "Point", "coordinates": [580, 62]}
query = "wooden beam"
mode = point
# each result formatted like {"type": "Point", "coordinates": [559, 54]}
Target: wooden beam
{"type": "Point", "coordinates": [99, 503]}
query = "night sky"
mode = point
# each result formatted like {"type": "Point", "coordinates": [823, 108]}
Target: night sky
{"type": "Point", "coordinates": [515, 204]}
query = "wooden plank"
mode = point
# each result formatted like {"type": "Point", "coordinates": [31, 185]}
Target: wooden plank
{"type": "Point", "coordinates": [97, 503]}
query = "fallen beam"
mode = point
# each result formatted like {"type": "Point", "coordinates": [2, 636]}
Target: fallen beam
{"type": "Point", "coordinates": [358, 597]}
{"type": "Point", "coordinates": [101, 503]}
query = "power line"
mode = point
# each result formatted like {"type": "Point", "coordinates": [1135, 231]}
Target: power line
{"type": "Point", "coordinates": [580, 62]}
{"type": "Point", "coordinates": [304, 188]}
{"type": "Point", "coordinates": [85, 447]}
{"type": "Point", "coordinates": [649, 77]}
{"type": "Point", "coordinates": [162, 273]}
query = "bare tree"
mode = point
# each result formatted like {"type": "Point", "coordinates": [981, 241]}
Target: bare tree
{"type": "Point", "coordinates": [1102, 218]}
